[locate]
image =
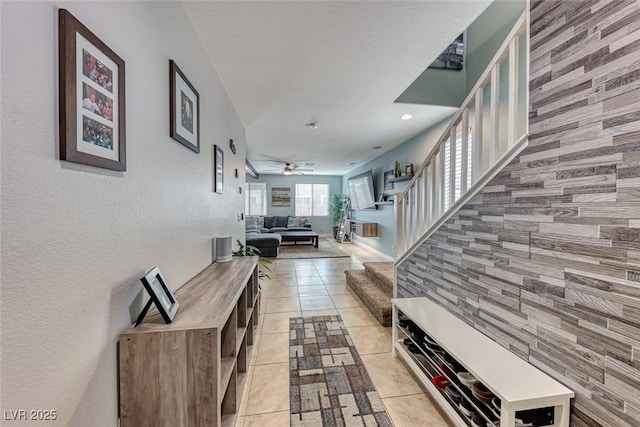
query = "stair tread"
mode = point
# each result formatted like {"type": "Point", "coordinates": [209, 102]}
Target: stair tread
{"type": "Point", "coordinates": [381, 273]}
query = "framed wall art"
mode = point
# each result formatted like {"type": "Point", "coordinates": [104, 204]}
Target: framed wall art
{"type": "Point", "coordinates": [281, 196]}
{"type": "Point", "coordinates": [388, 176]}
{"type": "Point", "coordinates": [184, 109]}
{"type": "Point", "coordinates": [91, 98]}
{"type": "Point", "coordinates": [218, 173]}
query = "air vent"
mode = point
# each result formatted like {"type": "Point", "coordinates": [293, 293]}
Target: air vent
{"type": "Point", "coordinates": [309, 164]}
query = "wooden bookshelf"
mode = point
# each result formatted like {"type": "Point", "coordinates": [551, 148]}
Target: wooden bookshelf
{"type": "Point", "coordinates": [191, 372]}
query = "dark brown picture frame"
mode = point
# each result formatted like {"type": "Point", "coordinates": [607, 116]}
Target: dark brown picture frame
{"type": "Point", "coordinates": [101, 141]}
{"type": "Point", "coordinates": [178, 131]}
{"type": "Point", "coordinates": [218, 171]}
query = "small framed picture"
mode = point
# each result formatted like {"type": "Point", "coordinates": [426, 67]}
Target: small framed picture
{"type": "Point", "coordinates": [160, 295]}
{"type": "Point", "coordinates": [92, 98]}
{"type": "Point", "coordinates": [232, 146]}
{"type": "Point", "coordinates": [184, 109]}
{"type": "Point", "coordinates": [218, 175]}
{"type": "Point", "coordinates": [409, 169]}
{"type": "Point", "coordinates": [388, 176]}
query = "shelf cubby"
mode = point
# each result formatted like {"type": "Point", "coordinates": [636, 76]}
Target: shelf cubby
{"type": "Point", "coordinates": [228, 336]}
{"type": "Point", "coordinates": [241, 306]}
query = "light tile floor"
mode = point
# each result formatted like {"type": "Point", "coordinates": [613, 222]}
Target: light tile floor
{"type": "Point", "coordinates": [308, 287]}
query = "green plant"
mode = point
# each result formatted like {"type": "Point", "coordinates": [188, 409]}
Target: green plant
{"type": "Point", "coordinates": [335, 208]}
{"type": "Point", "coordinates": [250, 250]}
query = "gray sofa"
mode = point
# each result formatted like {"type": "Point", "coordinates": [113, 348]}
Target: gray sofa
{"type": "Point", "coordinates": [275, 224]}
{"type": "Point", "coordinates": [262, 231]}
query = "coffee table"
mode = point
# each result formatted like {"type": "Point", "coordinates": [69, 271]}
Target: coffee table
{"type": "Point", "coordinates": [300, 236]}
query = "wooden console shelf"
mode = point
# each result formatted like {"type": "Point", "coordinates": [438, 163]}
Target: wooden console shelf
{"type": "Point", "coordinates": [191, 372]}
{"type": "Point", "coordinates": [521, 388]}
{"type": "Point", "coordinates": [364, 229]}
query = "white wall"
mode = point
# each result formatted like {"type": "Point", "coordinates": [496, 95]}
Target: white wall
{"type": "Point", "coordinates": [76, 239]}
{"type": "Point", "coordinates": [320, 224]}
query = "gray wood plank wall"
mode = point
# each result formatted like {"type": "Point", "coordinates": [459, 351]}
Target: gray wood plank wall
{"type": "Point", "coordinates": [546, 259]}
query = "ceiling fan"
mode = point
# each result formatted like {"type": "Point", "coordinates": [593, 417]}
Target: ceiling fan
{"type": "Point", "coordinates": [292, 169]}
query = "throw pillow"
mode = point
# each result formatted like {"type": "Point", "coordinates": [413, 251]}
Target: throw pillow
{"type": "Point", "coordinates": [281, 221]}
{"type": "Point", "coordinates": [298, 221]}
{"type": "Point", "coordinates": [250, 222]}
{"type": "Point", "coordinates": [269, 221]}
{"type": "Point", "coordinates": [260, 221]}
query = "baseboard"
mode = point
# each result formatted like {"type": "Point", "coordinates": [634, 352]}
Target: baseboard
{"type": "Point", "coordinates": [363, 245]}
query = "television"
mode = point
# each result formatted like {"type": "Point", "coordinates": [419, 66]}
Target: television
{"type": "Point", "coordinates": [361, 191]}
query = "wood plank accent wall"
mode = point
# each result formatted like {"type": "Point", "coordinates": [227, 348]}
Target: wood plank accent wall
{"type": "Point", "coordinates": [545, 259]}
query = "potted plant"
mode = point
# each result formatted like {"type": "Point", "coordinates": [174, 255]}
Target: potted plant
{"type": "Point", "coordinates": [263, 264]}
{"type": "Point", "coordinates": [335, 209]}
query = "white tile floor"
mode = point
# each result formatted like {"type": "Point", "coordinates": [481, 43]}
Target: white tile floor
{"type": "Point", "coordinates": [307, 287]}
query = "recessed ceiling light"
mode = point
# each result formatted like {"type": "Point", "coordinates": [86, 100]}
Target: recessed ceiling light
{"type": "Point", "coordinates": [377, 147]}
{"type": "Point", "coordinates": [406, 116]}
{"type": "Point", "coordinates": [312, 125]}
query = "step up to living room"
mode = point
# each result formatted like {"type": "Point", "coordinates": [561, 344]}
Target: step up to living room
{"type": "Point", "coordinates": [374, 286]}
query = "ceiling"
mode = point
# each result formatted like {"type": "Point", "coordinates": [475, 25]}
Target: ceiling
{"type": "Point", "coordinates": [339, 64]}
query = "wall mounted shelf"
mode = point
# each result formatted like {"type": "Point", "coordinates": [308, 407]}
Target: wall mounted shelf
{"type": "Point", "coordinates": [401, 178]}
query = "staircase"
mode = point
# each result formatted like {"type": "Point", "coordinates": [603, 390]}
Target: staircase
{"type": "Point", "coordinates": [374, 286]}
{"type": "Point", "coordinates": [489, 130]}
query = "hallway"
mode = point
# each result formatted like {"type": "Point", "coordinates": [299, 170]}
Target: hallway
{"type": "Point", "coordinates": [309, 287]}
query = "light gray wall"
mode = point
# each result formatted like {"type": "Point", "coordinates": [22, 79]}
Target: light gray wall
{"type": "Point", "coordinates": [437, 87]}
{"type": "Point", "coordinates": [76, 239]}
{"type": "Point", "coordinates": [482, 40]}
{"type": "Point", "coordinates": [413, 151]}
{"type": "Point", "coordinates": [486, 34]}
{"type": "Point", "coordinates": [320, 224]}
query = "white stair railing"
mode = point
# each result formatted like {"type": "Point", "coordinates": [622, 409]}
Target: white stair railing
{"type": "Point", "coordinates": [487, 131]}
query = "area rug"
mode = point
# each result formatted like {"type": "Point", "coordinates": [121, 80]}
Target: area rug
{"type": "Point", "coordinates": [328, 383]}
{"type": "Point", "coordinates": [327, 248]}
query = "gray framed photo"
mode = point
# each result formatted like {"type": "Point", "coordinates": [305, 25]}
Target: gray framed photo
{"type": "Point", "coordinates": [159, 294]}
{"type": "Point", "coordinates": [184, 109]}
{"type": "Point", "coordinates": [218, 173]}
{"type": "Point", "coordinates": [388, 176]}
{"type": "Point", "coordinates": [91, 97]}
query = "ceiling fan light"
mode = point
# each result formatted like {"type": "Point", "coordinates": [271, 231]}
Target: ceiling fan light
{"type": "Point", "coordinates": [287, 172]}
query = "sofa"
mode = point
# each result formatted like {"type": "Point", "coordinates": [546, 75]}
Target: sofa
{"type": "Point", "coordinates": [275, 224]}
{"type": "Point", "coordinates": [262, 231]}
{"type": "Point", "coordinates": [267, 243]}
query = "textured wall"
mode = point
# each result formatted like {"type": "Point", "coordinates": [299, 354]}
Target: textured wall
{"type": "Point", "coordinates": [546, 258]}
{"type": "Point", "coordinates": [75, 239]}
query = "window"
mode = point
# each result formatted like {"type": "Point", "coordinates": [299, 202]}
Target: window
{"type": "Point", "coordinates": [312, 200]}
{"type": "Point", "coordinates": [255, 198]}
{"type": "Point", "coordinates": [448, 200]}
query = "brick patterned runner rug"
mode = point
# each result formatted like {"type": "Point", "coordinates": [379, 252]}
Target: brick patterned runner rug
{"type": "Point", "coordinates": [328, 383]}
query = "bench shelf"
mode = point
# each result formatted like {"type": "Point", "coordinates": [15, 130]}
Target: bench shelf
{"type": "Point", "coordinates": [521, 388]}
